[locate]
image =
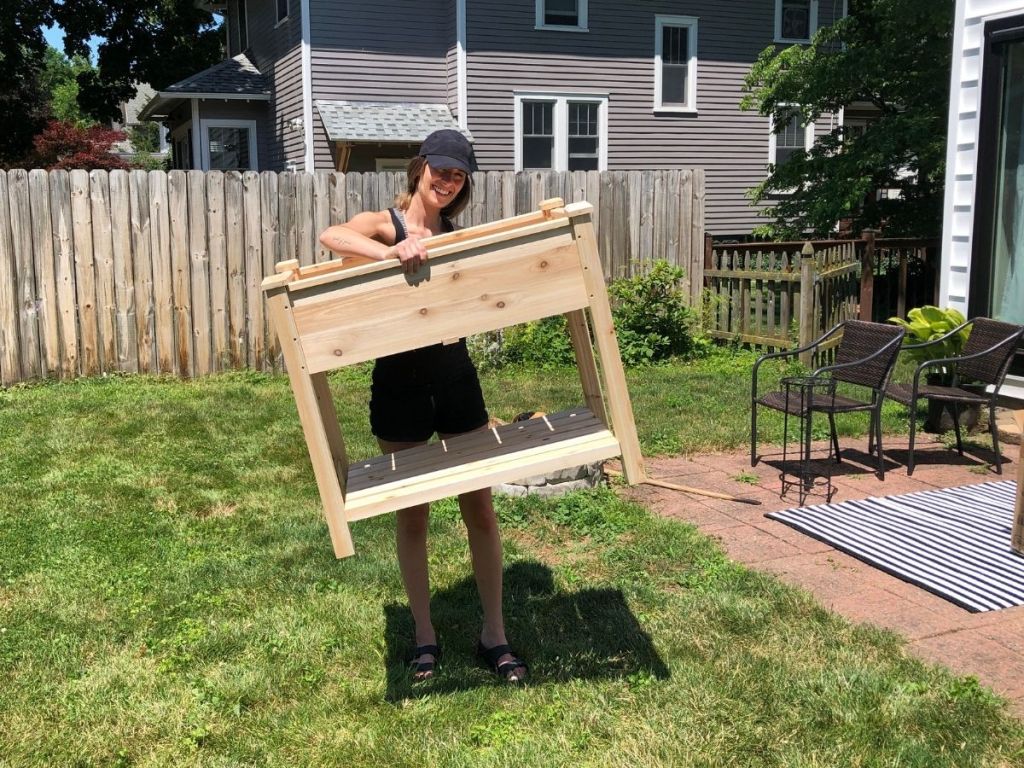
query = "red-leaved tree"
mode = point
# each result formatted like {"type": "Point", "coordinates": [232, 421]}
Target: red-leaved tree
{"type": "Point", "coordinates": [65, 146]}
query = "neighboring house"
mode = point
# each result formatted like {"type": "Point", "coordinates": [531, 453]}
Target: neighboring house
{"type": "Point", "coordinates": [983, 221]}
{"type": "Point", "coordinates": [129, 118]}
{"type": "Point", "coordinates": [556, 84]}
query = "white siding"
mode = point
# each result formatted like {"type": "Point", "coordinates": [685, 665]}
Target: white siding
{"type": "Point", "coordinates": [962, 151]}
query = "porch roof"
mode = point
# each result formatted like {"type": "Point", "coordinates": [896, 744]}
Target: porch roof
{"type": "Point", "coordinates": [384, 121]}
{"type": "Point", "coordinates": [234, 78]}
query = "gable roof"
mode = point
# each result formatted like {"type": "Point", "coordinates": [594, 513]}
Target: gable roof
{"type": "Point", "coordinates": [234, 78]}
{"type": "Point", "coordinates": [384, 121]}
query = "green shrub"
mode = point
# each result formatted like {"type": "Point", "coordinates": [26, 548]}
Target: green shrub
{"type": "Point", "coordinates": [653, 319]}
{"type": "Point", "coordinates": [538, 344]}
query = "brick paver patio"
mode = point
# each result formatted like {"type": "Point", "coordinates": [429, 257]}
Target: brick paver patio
{"type": "Point", "coordinates": [988, 645]}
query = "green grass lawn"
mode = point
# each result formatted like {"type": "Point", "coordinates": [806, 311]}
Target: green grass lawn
{"type": "Point", "coordinates": [168, 597]}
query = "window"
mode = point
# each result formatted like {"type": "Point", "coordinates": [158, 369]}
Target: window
{"type": "Point", "coordinates": [561, 132]}
{"type": "Point", "coordinates": [282, 10]}
{"type": "Point", "coordinates": [675, 63]}
{"type": "Point", "coordinates": [795, 20]}
{"type": "Point", "coordinates": [238, 29]}
{"type": "Point", "coordinates": [392, 164]}
{"type": "Point", "coordinates": [793, 137]}
{"type": "Point", "coordinates": [229, 145]}
{"type": "Point", "coordinates": [562, 14]}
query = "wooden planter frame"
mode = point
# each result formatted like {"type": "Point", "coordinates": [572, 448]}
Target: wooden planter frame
{"type": "Point", "coordinates": [478, 279]}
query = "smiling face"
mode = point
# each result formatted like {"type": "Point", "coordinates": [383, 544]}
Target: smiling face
{"type": "Point", "coordinates": [440, 186]}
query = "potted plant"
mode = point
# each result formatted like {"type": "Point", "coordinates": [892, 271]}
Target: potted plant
{"type": "Point", "coordinates": [928, 324]}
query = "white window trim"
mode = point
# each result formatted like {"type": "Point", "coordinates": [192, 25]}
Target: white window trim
{"type": "Point", "coordinates": [580, 26]}
{"type": "Point", "coordinates": [286, 17]}
{"type": "Point", "coordinates": [812, 24]}
{"type": "Point", "coordinates": [690, 22]}
{"type": "Point", "coordinates": [204, 138]}
{"type": "Point", "coordinates": [772, 136]}
{"type": "Point", "coordinates": [561, 99]}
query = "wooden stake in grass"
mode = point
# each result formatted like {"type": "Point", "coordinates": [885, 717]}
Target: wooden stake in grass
{"type": "Point", "coordinates": [688, 489]}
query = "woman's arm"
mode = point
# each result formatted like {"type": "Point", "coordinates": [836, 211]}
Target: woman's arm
{"type": "Point", "coordinates": [365, 234]}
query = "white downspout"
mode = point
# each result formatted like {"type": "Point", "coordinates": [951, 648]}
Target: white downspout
{"type": "Point", "coordinates": [307, 87]}
{"type": "Point", "coordinates": [460, 62]}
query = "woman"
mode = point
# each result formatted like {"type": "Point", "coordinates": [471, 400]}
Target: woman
{"type": "Point", "coordinates": [431, 390]}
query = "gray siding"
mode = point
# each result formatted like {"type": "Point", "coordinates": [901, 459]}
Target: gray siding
{"type": "Point", "coordinates": [393, 51]}
{"type": "Point", "coordinates": [506, 54]}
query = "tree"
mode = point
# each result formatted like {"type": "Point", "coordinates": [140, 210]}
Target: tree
{"type": "Point", "coordinates": [23, 104]}
{"type": "Point", "coordinates": [145, 41]}
{"type": "Point", "coordinates": [64, 145]}
{"type": "Point", "coordinates": [893, 54]}
{"type": "Point", "coordinates": [60, 81]}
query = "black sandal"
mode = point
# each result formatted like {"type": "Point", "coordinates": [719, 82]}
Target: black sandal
{"type": "Point", "coordinates": [424, 670]}
{"type": "Point", "coordinates": [506, 669]}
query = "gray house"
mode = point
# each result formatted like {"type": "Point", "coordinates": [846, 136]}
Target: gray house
{"type": "Point", "coordinates": [536, 84]}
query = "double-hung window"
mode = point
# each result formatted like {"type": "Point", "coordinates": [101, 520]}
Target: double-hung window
{"type": "Point", "coordinates": [561, 132]}
{"type": "Point", "coordinates": [282, 10]}
{"type": "Point", "coordinates": [791, 138]}
{"type": "Point", "coordinates": [229, 145]}
{"type": "Point", "coordinates": [796, 21]}
{"type": "Point", "coordinates": [675, 63]}
{"type": "Point", "coordinates": [562, 14]}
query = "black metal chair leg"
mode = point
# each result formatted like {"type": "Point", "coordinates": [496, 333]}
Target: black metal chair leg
{"type": "Point", "coordinates": [954, 410]}
{"type": "Point", "coordinates": [876, 418]}
{"type": "Point", "coordinates": [835, 437]}
{"type": "Point", "coordinates": [753, 434]}
{"type": "Point", "coordinates": [994, 429]}
{"type": "Point", "coordinates": [913, 429]}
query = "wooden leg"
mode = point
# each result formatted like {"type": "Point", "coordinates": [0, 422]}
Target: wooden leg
{"type": "Point", "coordinates": [613, 375]}
{"type": "Point", "coordinates": [579, 331]}
{"type": "Point", "coordinates": [319, 424]}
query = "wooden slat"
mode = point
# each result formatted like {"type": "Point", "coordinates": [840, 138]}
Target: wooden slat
{"type": "Point", "coordinates": [103, 261]}
{"type": "Point", "coordinates": [305, 237]}
{"type": "Point", "coordinates": [456, 297]}
{"type": "Point", "coordinates": [163, 271]}
{"type": "Point", "coordinates": [256, 337]}
{"type": "Point", "coordinates": [145, 308]}
{"type": "Point", "coordinates": [64, 255]}
{"type": "Point", "coordinates": [234, 230]}
{"type": "Point", "coordinates": [181, 280]}
{"type": "Point", "coordinates": [45, 270]}
{"type": "Point", "coordinates": [216, 306]}
{"type": "Point", "coordinates": [28, 302]}
{"type": "Point", "coordinates": [205, 326]}
{"type": "Point", "coordinates": [322, 198]}
{"type": "Point", "coordinates": [125, 326]}
{"type": "Point", "coordinates": [271, 255]}
{"type": "Point", "coordinates": [10, 355]}
{"type": "Point", "coordinates": [467, 462]}
{"type": "Point", "coordinates": [85, 272]}
{"type": "Point", "coordinates": [286, 217]}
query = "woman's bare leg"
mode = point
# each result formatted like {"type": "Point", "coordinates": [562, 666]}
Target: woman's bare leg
{"type": "Point", "coordinates": [411, 542]}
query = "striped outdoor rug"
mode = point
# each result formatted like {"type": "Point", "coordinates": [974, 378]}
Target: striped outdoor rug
{"type": "Point", "coordinates": [954, 542]}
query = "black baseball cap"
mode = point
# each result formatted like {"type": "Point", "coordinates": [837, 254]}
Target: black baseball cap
{"type": "Point", "coordinates": [447, 148]}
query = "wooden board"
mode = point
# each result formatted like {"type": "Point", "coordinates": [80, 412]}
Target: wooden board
{"type": "Point", "coordinates": [1017, 537]}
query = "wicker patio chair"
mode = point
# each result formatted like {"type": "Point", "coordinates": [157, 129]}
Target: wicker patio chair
{"type": "Point", "coordinates": [985, 359]}
{"type": "Point", "coordinates": [865, 357]}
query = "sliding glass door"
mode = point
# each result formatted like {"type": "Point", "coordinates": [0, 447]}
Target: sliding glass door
{"type": "Point", "coordinates": [997, 262]}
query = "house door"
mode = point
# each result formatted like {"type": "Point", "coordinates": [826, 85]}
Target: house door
{"type": "Point", "coordinates": [997, 261]}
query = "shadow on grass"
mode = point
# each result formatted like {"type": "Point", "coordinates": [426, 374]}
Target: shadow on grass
{"type": "Point", "coordinates": [587, 634]}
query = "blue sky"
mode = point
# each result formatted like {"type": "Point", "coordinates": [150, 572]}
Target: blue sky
{"type": "Point", "coordinates": [55, 37]}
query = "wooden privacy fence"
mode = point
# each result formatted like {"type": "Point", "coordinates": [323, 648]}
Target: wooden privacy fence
{"type": "Point", "coordinates": [152, 271]}
{"type": "Point", "coordinates": [755, 292]}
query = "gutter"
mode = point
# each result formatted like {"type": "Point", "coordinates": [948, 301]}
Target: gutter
{"type": "Point", "coordinates": [307, 87]}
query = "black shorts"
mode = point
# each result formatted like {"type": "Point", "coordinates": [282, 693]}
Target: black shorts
{"type": "Point", "coordinates": [417, 393]}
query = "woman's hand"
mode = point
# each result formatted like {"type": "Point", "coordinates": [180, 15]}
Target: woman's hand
{"type": "Point", "coordinates": [410, 252]}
